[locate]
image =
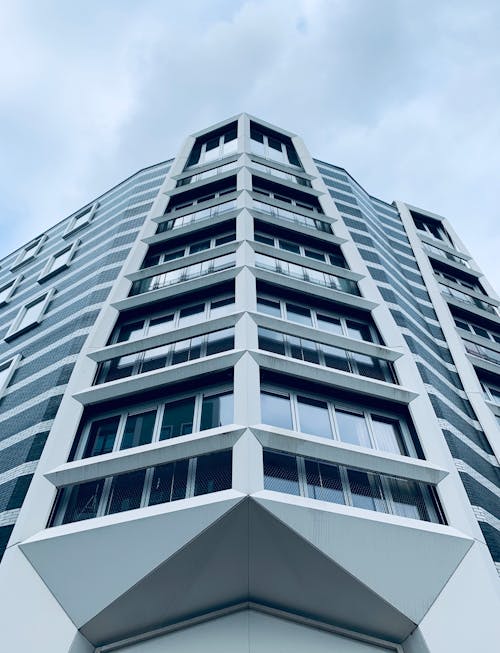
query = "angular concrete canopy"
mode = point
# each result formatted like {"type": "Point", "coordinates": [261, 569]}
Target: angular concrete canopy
{"type": "Point", "coordinates": [353, 570]}
{"type": "Point", "coordinates": [248, 554]}
{"type": "Point", "coordinates": [408, 565]}
{"type": "Point", "coordinates": [88, 568]}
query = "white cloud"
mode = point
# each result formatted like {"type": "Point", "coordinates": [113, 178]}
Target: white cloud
{"type": "Point", "coordinates": [403, 94]}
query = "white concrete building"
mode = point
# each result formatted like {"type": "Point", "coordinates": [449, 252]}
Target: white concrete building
{"type": "Point", "coordinates": [248, 407]}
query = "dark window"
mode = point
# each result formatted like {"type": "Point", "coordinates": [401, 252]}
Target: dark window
{"type": "Point", "coordinates": [169, 482]}
{"type": "Point", "coordinates": [213, 473]}
{"type": "Point", "coordinates": [217, 410]}
{"type": "Point", "coordinates": [101, 437]}
{"type": "Point", "coordinates": [280, 473]}
{"type": "Point", "coordinates": [177, 419]}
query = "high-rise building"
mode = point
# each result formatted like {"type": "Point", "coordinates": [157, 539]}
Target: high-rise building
{"type": "Point", "coordinates": [246, 406]}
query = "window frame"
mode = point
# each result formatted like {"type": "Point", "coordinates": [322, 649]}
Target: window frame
{"type": "Point", "coordinates": [202, 142]}
{"type": "Point", "coordinates": [176, 311]}
{"type": "Point", "coordinates": [321, 353]}
{"type": "Point", "coordinates": [266, 147]}
{"type": "Point", "coordinates": [332, 281]}
{"type": "Point", "coordinates": [159, 406]}
{"type": "Point", "coordinates": [10, 365]}
{"type": "Point", "coordinates": [303, 249]}
{"type": "Point", "coordinates": [48, 270]}
{"type": "Point", "coordinates": [34, 246]}
{"type": "Point", "coordinates": [44, 299]}
{"type": "Point", "coordinates": [62, 501]}
{"type": "Point", "coordinates": [405, 439]}
{"type": "Point", "coordinates": [12, 284]}
{"type": "Point", "coordinates": [73, 226]}
{"type": "Point", "coordinates": [315, 312]}
{"type": "Point", "coordinates": [170, 350]}
{"type": "Point", "coordinates": [488, 392]}
{"type": "Point", "coordinates": [432, 505]}
{"type": "Point", "coordinates": [187, 247]}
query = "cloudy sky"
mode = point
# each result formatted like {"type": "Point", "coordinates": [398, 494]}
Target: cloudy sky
{"type": "Point", "coordinates": [405, 94]}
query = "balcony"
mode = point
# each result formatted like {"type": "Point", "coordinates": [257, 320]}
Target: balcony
{"type": "Point", "coordinates": [182, 274]}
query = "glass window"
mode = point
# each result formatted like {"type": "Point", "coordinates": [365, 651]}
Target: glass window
{"type": "Point", "coordinates": [213, 473]}
{"type": "Point", "coordinates": [312, 253]}
{"type": "Point", "coordinates": [313, 417]}
{"type": "Point", "coordinates": [358, 331]}
{"type": "Point", "coordinates": [31, 313]}
{"type": "Point", "coordinates": [130, 331]}
{"type": "Point", "coordinates": [60, 260]}
{"type": "Point", "coordinates": [154, 359]}
{"type": "Point", "coordinates": [365, 491]}
{"type": "Point", "coordinates": [226, 238]}
{"type": "Point", "coordinates": [177, 419]}
{"type": "Point", "coordinates": [263, 238]}
{"type": "Point", "coordinates": [369, 366]}
{"type": "Point", "coordinates": [169, 482]}
{"type": "Point", "coordinates": [172, 256]}
{"type": "Point", "coordinates": [5, 291]}
{"type": "Point", "coordinates": [219, 341]}
{"type": "Point", "coordinates": [191, 314]}
{"type": "Point", "coordinates": [201, 246]}
{"type": "Point", "coordinates": [338, 260]}
{"type": "Point", "coordinates": [4, 372]}
{"type": "Point", "coordinates": [388, 435]}
{"type": "Point", "coordinates": [289, 247]}
{"type": "Point", "coordinates": [160, 325]}
{"type": "Point", "coordinates": [407, 499]}
{"type": "Point", "coordinates": [336, 358]}
{"type": "Point", "coordinates": [276, 410]}
{"type": "Point", "coordinates": [303, 349]}
{"type": "Point", "coordinates": [271, 341]}
{"type": "Point", "coordinates": [268, 306]}
{"type": "Point", "coordinates": [324, 482]}
{"type": "Point", "coordinates": [126, 492]}
{"type": "Point", "coordinates": [101, 437]}
{"type": "Point", "coordinates": [217, 410]}
{"type": "Point", "coordinates": [83, 501]}
{"type": "Point", "coordinates": [280, 473]}
{"type": "Point", "coordinates": [186, 350]}
{"type": "Point", "coordinates": [352, 428]}
{"type": "Point", "coordinates": [221, 307]}
{"type": "Point", "coordinates": [138, 430]}
{"type": "Point", "coordinates": [150, 260]}
{"type": "Point", "coordinates": [330, 324]}
{"type": "Point", "coordinates": [299, 314]}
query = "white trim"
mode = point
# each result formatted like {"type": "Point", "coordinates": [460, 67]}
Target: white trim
{"type": "Point", "coordinates": [12, 284]}
{"type": "Point", "coordinates": [10, 366]}
{"type": "Point", "coordinates": [49, 271]}
{"type": "Point", "coordinates": [43, 299]}
{"type": "Point", "coordinates": [73, 225]}
{"type": "Point", "coordinates": [35, 245]}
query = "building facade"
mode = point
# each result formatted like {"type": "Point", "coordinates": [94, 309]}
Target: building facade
{"type": "Point", "coordinates": [246, 406]}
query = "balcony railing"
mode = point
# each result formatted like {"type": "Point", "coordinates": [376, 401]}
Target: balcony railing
{"type": "Point", "coordinates": [280, 174]}
{"type": "Point", "coordinates": [482, 352]}
{"type": "Point", "coordinates": [432, 249]}
{"type": "Point", "coordinates": [207, 174]}
{"type": "Point", "coordinates": [351, 487]}
{"type": "Point", "coordinates": [306, 274]}
{"type": "Point", "coordinates": [144, 487]}
{"type": "Point", "coordinates": [325, 355]}
{"type": "Point", "coordinates": [196, 216]}
{"type": "Point", "coordinates": [291, 216]}
{"type": "Point", "coordinates": [468, 299]}
{"type": "Point", "coordinates": [182, 274]}
{"type": "Point", "coordinates": [174, 353]}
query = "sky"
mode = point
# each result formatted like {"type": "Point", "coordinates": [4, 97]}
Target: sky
{"type": "Point", "coordinates": [404, 94]}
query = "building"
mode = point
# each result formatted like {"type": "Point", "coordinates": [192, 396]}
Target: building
{"type": "Point", "coordinates": [246, 406]}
